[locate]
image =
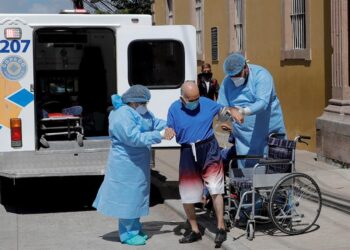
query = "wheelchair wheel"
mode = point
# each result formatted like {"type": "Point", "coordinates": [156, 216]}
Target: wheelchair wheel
{"type": "Point", "coordinates": [250, 231]}
{"type": "Point", "coordinates": [295, 203]}
{"type": "Point", "coordinates": [80, 139]}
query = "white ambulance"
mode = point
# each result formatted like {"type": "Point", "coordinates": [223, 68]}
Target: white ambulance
{"type": "Point", "coordinates": [51, 63]}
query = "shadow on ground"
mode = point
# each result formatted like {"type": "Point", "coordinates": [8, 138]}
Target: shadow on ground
{"type": "Point", "coordinates": [55, 194]}
{"type": "Point", "coordinates": [151, 228]}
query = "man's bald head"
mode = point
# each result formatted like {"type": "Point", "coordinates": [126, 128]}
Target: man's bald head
{"type": "Point", "coordinates": [189, 90]}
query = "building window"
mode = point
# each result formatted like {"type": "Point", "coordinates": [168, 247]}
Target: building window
{"type": "Point", "coordinates": [170, 12]}
{"type": "Point", "coordinates": [199, 27]}
{"type": "Point", "coordinates": [295, 35]}
{"type": "Point", "coordinates": [238, 25]}
{"type": "Point", "coordinates": [214, 44]}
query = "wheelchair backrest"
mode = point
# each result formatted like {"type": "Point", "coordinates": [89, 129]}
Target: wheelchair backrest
{"type": "Point", "coordinates": [280, 149]}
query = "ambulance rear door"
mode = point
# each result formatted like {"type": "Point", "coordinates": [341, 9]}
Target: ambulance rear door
{"type": "Point", "coordinates": [16, 85]}
{"type": "Point", "coordinates": [158, 57]}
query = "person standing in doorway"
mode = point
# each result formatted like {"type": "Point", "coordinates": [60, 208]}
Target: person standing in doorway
{"type": "Point", "coordinates": [207, 85]}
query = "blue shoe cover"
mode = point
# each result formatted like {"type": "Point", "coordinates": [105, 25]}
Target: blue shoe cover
{"type": "Point", "coordinates": [137, 240]}
{"type": "Point", "coordinates": [142, 234]}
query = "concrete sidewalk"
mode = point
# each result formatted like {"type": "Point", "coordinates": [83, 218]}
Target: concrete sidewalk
{"type": "Point", "coordinates": [333, 181]}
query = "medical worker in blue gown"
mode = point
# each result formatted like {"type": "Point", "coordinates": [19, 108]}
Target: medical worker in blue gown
{"type": "Point", "coordinates": [124, 193]}
{"type": "Point", "coordinates": [250, 89]}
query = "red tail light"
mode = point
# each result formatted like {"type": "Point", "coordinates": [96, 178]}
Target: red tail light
{"type": "Point", "coordinates": [16, 132]}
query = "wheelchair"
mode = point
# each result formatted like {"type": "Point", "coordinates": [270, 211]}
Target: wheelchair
{"type": "Point", "coordinates": [271, 191]}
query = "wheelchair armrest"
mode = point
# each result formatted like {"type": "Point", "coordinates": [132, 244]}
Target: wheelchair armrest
{"type": "Point", "coordinates": [245, 157]}
{"type": "Point", "coordinates": [274, 161]}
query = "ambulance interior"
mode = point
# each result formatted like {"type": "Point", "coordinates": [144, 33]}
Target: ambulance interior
{"type": "Point", "coordinates": [75, 67]}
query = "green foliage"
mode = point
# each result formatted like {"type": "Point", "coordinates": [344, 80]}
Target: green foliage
{"type": "Point", "coordinates": [132, 6]}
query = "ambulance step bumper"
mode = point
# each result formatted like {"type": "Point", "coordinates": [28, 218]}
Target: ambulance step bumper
{"type": "Point", "coordinates": [56, 161]}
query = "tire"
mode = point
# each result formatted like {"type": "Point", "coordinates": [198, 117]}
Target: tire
{"type": "Point", "coordinates": [295, 203]}
{"type": "Point", "coordinates": [44, 142]}
{"type": "Point", "coordinates": [228, 224]}
{"type": "Point", "coordinates": [250, 231]}
{"type": "Point", "coordinates": [80, 139]}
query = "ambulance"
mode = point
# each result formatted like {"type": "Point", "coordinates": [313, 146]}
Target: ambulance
{"type": "Point", "coordinates": [51, 63]}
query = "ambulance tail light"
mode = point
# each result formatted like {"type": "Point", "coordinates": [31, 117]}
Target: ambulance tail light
{"type": "Point", "coordinates": [16, 132]}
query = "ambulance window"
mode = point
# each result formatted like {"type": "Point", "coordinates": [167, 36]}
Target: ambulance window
{"type": "Point", "coordinates": [156, 63]}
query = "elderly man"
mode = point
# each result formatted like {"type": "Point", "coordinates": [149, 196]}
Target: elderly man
{"type": "Point", "coordinates": [200, 162]}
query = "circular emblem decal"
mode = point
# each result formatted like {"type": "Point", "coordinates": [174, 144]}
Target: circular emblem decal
{"type": "Point", "coordinates": [13, 68]}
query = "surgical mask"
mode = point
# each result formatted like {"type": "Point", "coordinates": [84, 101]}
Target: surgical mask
{"type": "Point", "coordinates": [207, 75]}
{"type": "Point", "coordinates": [238, 81]}
{"type": "Point", "coordinates": [141, 109]}
{"type": "Point", "coordinates": [192, 105]}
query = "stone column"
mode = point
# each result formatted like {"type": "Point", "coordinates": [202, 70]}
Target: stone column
{"type": "Point", "coordinates": [333, 127]}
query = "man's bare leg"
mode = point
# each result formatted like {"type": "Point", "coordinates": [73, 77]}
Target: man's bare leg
{"type": "Point", "coordinates": [218, 204]}
{"type": "Point", "coordinates": [191, 216]}
{"type": "Point", "coordinates": [221, 234]}
{"type": "Point", "coordinates": [194, 235]}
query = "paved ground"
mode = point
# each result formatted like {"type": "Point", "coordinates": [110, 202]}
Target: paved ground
{"type": "Point", "coordinates": [73, 225]}
{"type": "Point", "coordinates": [330, 231]}
{"type": "Point", "coordinates": [53, 222]}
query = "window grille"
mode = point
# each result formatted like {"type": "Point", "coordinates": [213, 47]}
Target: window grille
{"type": "Point", "coordinates": [238, 24]}
{"type": "Point", "coordinates": [298, 24]}
{"type": "Point", "coordinates": [199, 24]}
{"type": "Point", "coordinates": [295, 30]}
{"type": "Point", "coordinates": [214, 44]}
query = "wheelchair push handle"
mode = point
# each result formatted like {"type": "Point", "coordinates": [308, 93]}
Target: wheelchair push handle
{"type": "Point", "coordinates": [302, 138]}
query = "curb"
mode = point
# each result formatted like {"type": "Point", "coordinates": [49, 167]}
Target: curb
{"type": "Point", "coordinates": [335, 202]}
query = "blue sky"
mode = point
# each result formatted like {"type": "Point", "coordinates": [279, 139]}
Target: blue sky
{"type": "Point", "coordinates": [34, 6]}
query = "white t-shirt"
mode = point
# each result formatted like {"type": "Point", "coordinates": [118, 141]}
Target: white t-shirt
{"type": "Point", "coordinates": [207, 84]}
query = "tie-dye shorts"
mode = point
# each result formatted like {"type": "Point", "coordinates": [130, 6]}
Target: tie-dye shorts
{"type": "Point", "coordinates": [207, 171]}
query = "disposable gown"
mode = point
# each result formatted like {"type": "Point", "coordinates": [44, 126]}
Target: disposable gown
{"type": "Point", "coordinates": [125, 190]}
{"type": "Point", "coordinates": [259, 95]}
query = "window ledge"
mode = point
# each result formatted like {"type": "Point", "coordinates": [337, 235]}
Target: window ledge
{"type": "Point", "coordinates": [299, 54]}
{"type": "Point", "coordinates": [200, 56]}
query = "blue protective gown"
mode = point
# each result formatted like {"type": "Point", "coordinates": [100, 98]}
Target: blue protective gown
{"type": "Point", "coordinates": [125, 190]}
{"type": "Point", "coordinates": [258, 94]}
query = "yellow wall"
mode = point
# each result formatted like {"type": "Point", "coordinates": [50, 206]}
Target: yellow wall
{"type": "Point", "coordinates": [303, 87]}
{"type": "Point", "coordinates": [216, 15]}
{"type": "Point", "coordinates": [300, 85]}
{"type": "Point", "coordinates": [159, 11]}
{"type": "Point", "coordinates": [182, 12]}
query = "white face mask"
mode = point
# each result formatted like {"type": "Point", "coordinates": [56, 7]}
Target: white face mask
{"type": "Point", "coordinates": [238, 81]}
{"type": "Point", "coordinates": [141, 109]}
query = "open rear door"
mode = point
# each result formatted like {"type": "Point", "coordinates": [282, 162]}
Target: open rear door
{"type": "Point", "coordinates": [160, 58]}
